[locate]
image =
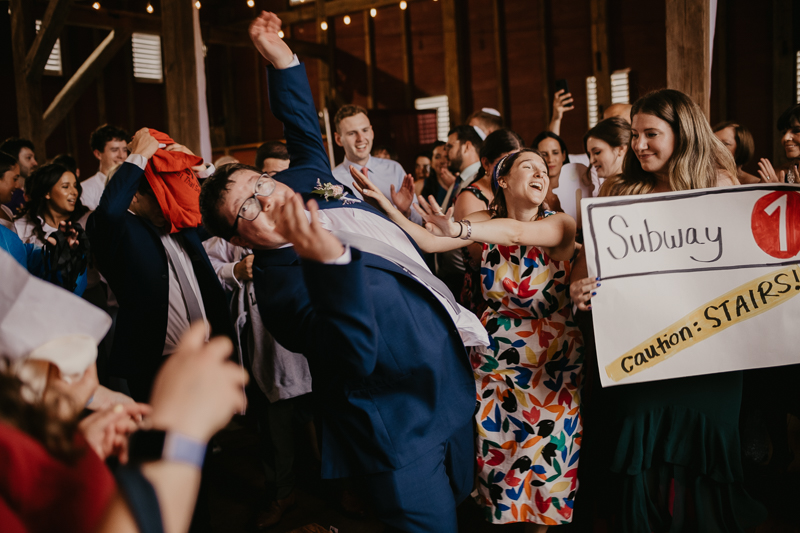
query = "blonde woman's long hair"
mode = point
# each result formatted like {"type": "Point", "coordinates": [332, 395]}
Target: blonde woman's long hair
{"type": "Point", "coordinates": [697, 158]}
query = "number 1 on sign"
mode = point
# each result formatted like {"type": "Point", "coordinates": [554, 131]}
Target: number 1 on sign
{"type": "Point", "coordinates": [780, 203]}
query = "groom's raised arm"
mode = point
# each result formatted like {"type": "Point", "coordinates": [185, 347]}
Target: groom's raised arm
{"type": "Point", "coordinates": [289, 94]}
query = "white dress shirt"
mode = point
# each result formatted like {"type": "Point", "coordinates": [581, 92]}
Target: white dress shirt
{"type": "Point", "coordinates": [92, 190]}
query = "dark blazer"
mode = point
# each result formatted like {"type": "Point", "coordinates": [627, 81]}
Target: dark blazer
{"type": "Point", "coordinates": [388, 366]}
{"type": "Point", "coordinates": [131, 257]}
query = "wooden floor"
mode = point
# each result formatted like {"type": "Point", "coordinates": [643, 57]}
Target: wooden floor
{"type": "Point", "coordinates": [237, 494]}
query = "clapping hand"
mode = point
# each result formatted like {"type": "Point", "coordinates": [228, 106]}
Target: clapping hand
{"type": "Point", "coordinates": [371, 193]}
{"type": "Point", "coordinates": [436, 221]}
{"type": "Point", "coordinates": [310, 239]}
{"type": "Point", "coordinates": [264, 34]}
{"type": "Point", "coordinates": [768, 174]}
{"type": "Point", "coordinates": [561, 104]}
{"type": "Point", "coordinates": [71, 233]}
{"type": "Point", "coordinates": [403, 198]}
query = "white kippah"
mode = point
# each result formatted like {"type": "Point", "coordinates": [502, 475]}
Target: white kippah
{"type": "Point", "coordinates": [480, 132]}
{"type": "Point", "coordinates": [491, 111]}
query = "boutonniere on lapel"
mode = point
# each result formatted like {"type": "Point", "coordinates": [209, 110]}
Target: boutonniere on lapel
{"type": "Point", "coordinates": [329, 191]}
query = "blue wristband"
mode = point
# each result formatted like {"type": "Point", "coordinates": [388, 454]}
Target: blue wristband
{"type": "Point", "coordinates": [183, 449]}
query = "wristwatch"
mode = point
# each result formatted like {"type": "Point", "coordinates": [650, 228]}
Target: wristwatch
{"type": "Point", "coordinates": [156, 445]}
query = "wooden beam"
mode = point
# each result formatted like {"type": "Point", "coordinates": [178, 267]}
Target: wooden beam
{"type": "Point", "coordinates": [335, 8]}
{"type": "Point", "coordinates": [600, 67]}
{"type": "Point", "coordinates": [88, 71]}
{"type": "Point", "coordinates": [52, 23]}
{"type": "Point", "coordinates": [369, 58]}
{"type": "Point", "coordinates": [453, 60]}
{"type": "Point", "coordinates": [240, 38]}
{"type": "Point", "coordinates": [501, 60]}
{"type": "Point", "coordinates": [688, 49]}
{"type": "Point", "coordinates": [408, 58]}
{"type": "Point", "coordinates": [109, 19]}
{"type": "Point", "coordinates": [28, 94]}
{"type": "Point", "coordinates": [783, 68]}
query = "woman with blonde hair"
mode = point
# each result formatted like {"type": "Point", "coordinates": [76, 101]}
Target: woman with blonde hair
{"type": "Point", "coordinates": [670, 458]}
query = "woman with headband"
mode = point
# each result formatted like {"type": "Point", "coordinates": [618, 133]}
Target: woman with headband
{"type": "Point", "coordinates": [528, 380]}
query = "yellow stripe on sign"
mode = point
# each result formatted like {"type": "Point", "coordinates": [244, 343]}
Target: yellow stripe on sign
{"type": "Point", "coordinates": [746, 301]}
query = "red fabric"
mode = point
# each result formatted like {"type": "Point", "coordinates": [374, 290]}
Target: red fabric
{"type": "Point", "coordinates": [39, 493]}
{"type": "Point", "coordinates": [175, 184]}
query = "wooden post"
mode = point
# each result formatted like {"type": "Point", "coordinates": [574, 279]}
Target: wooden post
{"type": "Point", "coordinates": [600, 66]}
{"type": "Point", "coordinates": [323, 68]}
{"type": "Point", "coordinates": [369, 58]}
{"type": "Point", "coordinates": [783, 68]}
{"type": "Point", "coordinates": [544, 48]}
{"type": "Point", "coordinates": [720, 60]}
{"type": "Point", "coordinates": [688, 49]}
{"type": "Point", "coordinates": [100, 84]}
{"type": "Point", "coordinates": [29, 92]}
{"type": "Point", "coordinates": [454, 60]}
{"type": "Point", "coordinates": [408, 58]}
{"type": "Point", "coordinates": [178, 42]}
{"type": "Point", "coordinates": [501, 60]}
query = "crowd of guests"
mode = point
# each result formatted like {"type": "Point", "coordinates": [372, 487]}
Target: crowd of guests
{"type": "Point", "coordinates": [431, 331]}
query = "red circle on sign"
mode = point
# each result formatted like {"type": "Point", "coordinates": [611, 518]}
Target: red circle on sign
{"type": "Point", "coordinates": [776, 224]}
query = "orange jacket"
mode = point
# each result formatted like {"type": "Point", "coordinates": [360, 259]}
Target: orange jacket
{"type": "Point", "coordinates": [175, 184]}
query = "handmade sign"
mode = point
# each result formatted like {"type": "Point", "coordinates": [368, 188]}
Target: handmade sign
{"type": "Point", "coordinates": [694, 282]}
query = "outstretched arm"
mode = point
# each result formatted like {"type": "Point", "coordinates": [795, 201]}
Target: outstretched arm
{"type": "Point", "coordinates": [290, 96]}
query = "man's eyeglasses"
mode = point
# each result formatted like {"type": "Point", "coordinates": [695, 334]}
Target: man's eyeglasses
{"type": "Point", "coordinates": [251, 207]}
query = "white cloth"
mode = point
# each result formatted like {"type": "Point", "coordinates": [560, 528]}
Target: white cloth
{"type": "Point", "coordinates": [92, 190]}
{"type": "Point", "coordinates": [178, 316]}
{"type": "Point", "coordinates": [366, 223]}
{"type": "Point", "coordinates": [8, 223]}
{"type": "Point", "coordinates": [383, 173]}
{"type": "Point", "coordinates": [39, 320]}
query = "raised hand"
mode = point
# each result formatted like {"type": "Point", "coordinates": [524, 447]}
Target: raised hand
{"type": "Point", "coordinates": [436, 221]}
{"type": "Point", "coordinates": [767, 173]}
{"type": "Point", "coordinates": [403, 198]}
{"type": "Point", "coordinates": [310, 239]}
{"type": "Point", "coordinates": [372, 194]}
{"type": "Point", "coordinates": [143, 144]}
{"type": "Point", "coordinates": [264, 34]}
{"type": "Point", "coordinates": [561, 104]}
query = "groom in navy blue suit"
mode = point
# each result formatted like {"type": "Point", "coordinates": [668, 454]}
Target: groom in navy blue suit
{"type": "Point", "coordinates": [383, 341]}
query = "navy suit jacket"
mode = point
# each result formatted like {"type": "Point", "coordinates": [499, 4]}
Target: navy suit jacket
{"type": "Point", "coordinates": [389, 368]}
{"type": "Point", "coordinates": [131, 257]}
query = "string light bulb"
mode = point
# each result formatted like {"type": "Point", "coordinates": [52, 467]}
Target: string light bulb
{"type": "Point", "coordinates": [280, 34]}
{"type": "Point", "coordinates": [251, 3]}
{"type": "Point", "coordinates": [323, 25]}
{"type": "Point", "coordinates": [347, 19]}
{"type": "Point", "coordinates": [96, 5]}
{"type": "Point", "coordinates": [197, 4]}
{"type": "Point", "coordinates": [373, 12]}
{"type": "Point", "coordinates": [149, 8]}
{"type": "Point", "coordinates": [403, 5]}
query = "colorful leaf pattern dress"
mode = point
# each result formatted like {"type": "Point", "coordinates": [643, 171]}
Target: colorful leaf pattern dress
{"type": "Point", "coordinates": [528, 385]}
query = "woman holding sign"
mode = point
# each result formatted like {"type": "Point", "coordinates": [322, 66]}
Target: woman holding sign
{"type": "Point", "coordinates": [528, 380]}
{"type": "Point", "coordinates": [670, 451]}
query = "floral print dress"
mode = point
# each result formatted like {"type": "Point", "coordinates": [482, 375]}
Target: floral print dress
{"type": "Point", "coordinates": [528, 385]}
